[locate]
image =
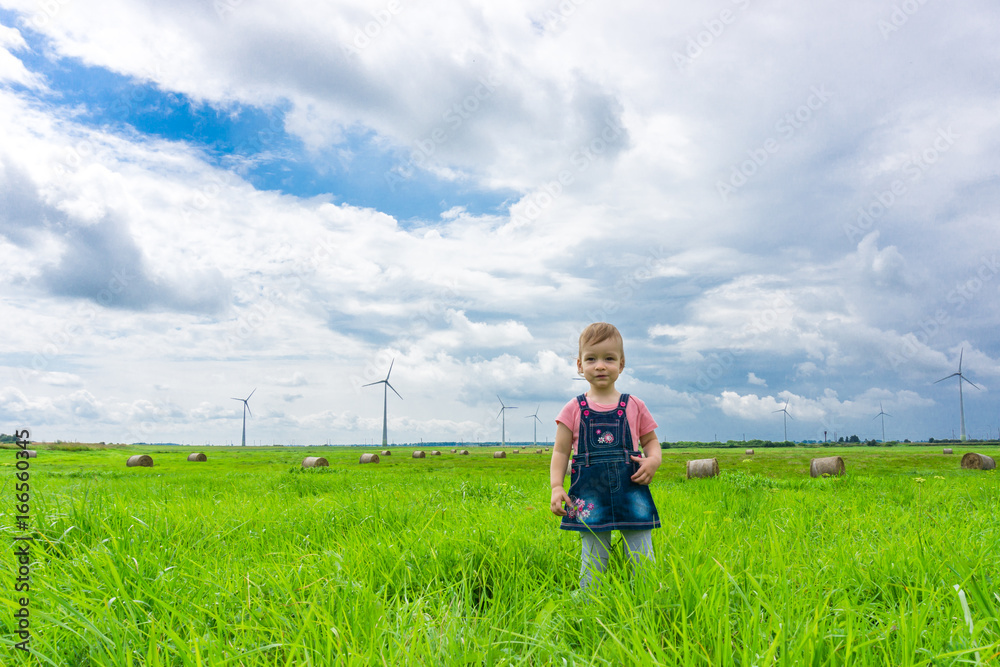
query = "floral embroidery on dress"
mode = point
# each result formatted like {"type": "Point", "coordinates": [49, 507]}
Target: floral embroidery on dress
{"type": "Point", "coordinates": [605, 438]}
{"type": "Point", "coordinates": [578, 508]}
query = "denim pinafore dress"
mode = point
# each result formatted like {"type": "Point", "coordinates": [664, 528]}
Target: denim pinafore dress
{"type": "Point", "coordinates": [602, 494]}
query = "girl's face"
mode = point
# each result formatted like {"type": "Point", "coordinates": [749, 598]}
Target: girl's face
{"type": "Point", "coordinates": [601, 363]}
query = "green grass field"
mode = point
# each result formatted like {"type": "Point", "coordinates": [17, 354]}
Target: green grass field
{"type": "Point", "coordinates": [455, 560]}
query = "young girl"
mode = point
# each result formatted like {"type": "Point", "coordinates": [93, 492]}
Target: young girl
{"type": "Point", "coordinates": [604, 429]}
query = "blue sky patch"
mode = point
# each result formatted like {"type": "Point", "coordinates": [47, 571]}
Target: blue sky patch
{"type": "Point", "coordinates": [253, 142]}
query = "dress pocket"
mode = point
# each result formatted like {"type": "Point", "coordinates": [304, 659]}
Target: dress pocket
{"type": "Point", "coordinates": [605, 435]}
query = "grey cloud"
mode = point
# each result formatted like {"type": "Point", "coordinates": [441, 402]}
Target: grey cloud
{"type": "Point", "coordinates": [103, 264]}
{"type": "Point", "coordinates": [23, 214]}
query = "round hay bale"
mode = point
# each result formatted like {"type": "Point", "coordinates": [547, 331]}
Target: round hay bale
{"type": "Point", "coordinates": [369, 458]}
{"type": "Point", "coordinates": [197, 456]}
{"type": "Point", "coordinates": [435, 453]}
{"type": "Point", "coordinates": [748, 452]}
{"type": "Point", "coordinates": [499, 455]}
{"type": "Point", "coordinates": [144, 460]}
{"type": "Point", "coordinates": [539, 451]}
{"type": "Point", "coordinates": [31, 453]}
{"type": "Point", "coordinates": [829, 465]}
{"type": "Point", "coordinates": [314, 462]}
{"type": "Point", "coordinates": [948, 451]}
{"type": "Point", "coordinates": [973, 461]}
{"type": "Point", "coordinates": [517, 451]}
{"type": "Point", "coordinates": [385, 452]}
{"type": "Point", "coordinates": [702, 468]}
{"type": "Point", "coordinates": [419, 455]}
{"type": "Point", "coordinates": [464, 452]}
{"type": "Point", "coordinates": [453, 451]}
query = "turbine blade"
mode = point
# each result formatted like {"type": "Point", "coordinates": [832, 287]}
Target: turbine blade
{"type": "Point", "coordinates": [236, 399]}
{"type": "Point", "coordinates": [393, 389]}
{"type": "Point", "coordinates": [876, 416]}
{"type": "Point", "coordinates": [960, 353]}
{"type": "Point", "coordinates": [251, 393]}
{"type": "Point", "coordinates": [500, 399]}
{"type": "Point", "coordinates": [887, 414]}
{"type": "Point", "coordinates": [499, 413]}
{"type": "Point", "coordinates": [968, 380]}
{"type": "Point", "coordinates": [945, 378]}
{"type": "Point", "coordinates": [371, 383]}
{"type": "Point", "coordinates": [247, 406]}
{"type": "Point", "coordinates": [390, 369]}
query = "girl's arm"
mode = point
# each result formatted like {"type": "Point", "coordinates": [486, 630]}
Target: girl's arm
{"type": "Point", "coordinates": [562, 449]}
{"type": "Point", "coordinates": [651, 461]}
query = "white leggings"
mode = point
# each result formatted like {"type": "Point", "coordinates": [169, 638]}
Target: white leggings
{"type": "Point", "coordinates": [595, 551]}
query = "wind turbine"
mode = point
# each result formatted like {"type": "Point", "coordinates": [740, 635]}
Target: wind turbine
{"type": "Point", "coordinates": [246, 409]}
{"type": "Point", "coordinates": [961, 401]}
{"type": "Point", "coordinates": [883, 414]}
{"type": "Point", "coordinates": [385, 401]}
{"type": "Point", "coordinates": [535, 423]}
{"type": "Point", "coordinates": [503, 423]}
{"type": "Point", "coordinates": [785, 418]}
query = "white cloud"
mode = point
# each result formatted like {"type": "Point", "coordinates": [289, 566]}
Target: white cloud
{"type": "Point", "coordinates": [12, 69]}
{"type": "Point", "coordinates": [146, 273]}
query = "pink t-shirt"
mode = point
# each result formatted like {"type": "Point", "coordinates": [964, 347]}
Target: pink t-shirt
{"type": "Point", "coordinates": [640, 422]}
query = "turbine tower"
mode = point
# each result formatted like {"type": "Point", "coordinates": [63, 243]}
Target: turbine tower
{"type": "Point", "coordinates": [385, 402]}
{"type": "Point", "coordinates": [785, 418]}
{"type": "Point", "coordinates": [883, 414]}
{"type": "Point", "coordinates": [535, 423]}
{"type": "Point", "coordinates": [961, 401]}
{"type": "Point", "coordinates": [503, 423]}
{"type": "Point", "coordinates": [246, 409]}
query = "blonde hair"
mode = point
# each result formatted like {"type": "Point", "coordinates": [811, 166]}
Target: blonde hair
{"type": "Point", "coordinates": [598, 332]}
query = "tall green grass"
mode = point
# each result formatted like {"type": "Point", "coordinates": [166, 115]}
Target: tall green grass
{"type": "Point", "coordinates": [249, 560]}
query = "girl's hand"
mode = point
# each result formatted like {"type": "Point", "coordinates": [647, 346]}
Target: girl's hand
{"type": "Point", "coordinates": [647, 468]}
{"type": "Point", "coordinates": [559, 497]}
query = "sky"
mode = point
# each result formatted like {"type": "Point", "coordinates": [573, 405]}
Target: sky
{"type": "Point", "coordinates": [780, 205]}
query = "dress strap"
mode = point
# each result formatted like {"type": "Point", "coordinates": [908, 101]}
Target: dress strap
{"type": "Point", "coordinates": [581, 440]}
